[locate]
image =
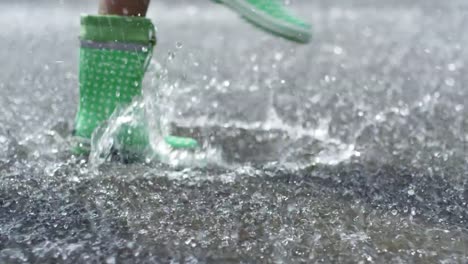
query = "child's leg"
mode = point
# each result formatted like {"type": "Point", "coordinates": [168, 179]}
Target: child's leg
{"type": "Point", "coordinates": [123, 7]}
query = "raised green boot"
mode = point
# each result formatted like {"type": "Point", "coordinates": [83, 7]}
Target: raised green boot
{"type": "Point", "coordinates": [114, 55]}
{"type": "Point", "coordinates": [272, 16]}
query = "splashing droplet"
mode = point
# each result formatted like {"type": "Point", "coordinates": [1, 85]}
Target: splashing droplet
{"type": "Point", "coordinates": [450, 82]}
{"type": "Point", "coordinates": [278, 56]}
{"type": "Point", "coordinates": [253, 88]}
{"type": "Point", "coordinates": [338, 50]}
{"type": "Point", "coordinates": [170, 55]}
{"type": "Point", "coordinates": [451, 67]}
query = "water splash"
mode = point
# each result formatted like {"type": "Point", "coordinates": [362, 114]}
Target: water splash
{"type": "Point", "coordinates": [159, 112]}
{"type": "Point", "coordinates": [144, 115]}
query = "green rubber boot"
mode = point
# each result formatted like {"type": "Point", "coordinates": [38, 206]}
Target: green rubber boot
{"type": "Point", "coordinates": [114, 55]}
{"type": "Point", "coordinates": [272, 16]}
